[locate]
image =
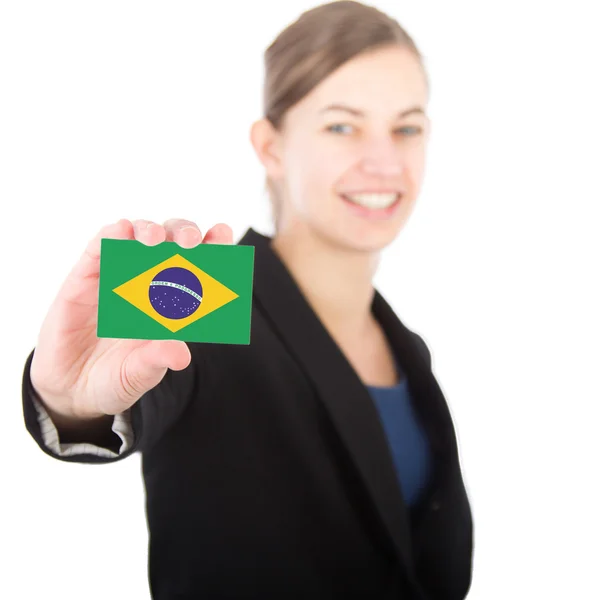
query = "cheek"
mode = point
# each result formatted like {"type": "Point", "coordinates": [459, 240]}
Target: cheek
{"type": "Point", "coordinates": [416, 161]}
{"type": "Point", "coordinates": [413, 169]}
{"type": "Point", "coordinates": [328, 165]}
{"type": "Point", "coordinates": [316, 174]}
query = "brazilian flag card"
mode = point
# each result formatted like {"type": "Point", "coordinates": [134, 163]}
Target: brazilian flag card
{"type": "Point", "coordinates": [200, 294]}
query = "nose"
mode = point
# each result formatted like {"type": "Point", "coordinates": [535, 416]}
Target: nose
{"type": "Point", "coordinates": [382, 157]}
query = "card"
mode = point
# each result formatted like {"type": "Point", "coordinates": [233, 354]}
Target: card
{"type": "Point", "coordinates": [167, 292]}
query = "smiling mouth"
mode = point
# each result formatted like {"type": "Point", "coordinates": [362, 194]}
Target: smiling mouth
{"type": "Point", "coordinates": [373, 207]}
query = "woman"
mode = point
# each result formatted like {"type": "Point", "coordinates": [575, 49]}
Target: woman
{"type": "Point", "coordinates": [320, 461]}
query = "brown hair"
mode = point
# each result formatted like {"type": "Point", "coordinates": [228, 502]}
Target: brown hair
{"type": "Point", "coordinates": [315, 45]}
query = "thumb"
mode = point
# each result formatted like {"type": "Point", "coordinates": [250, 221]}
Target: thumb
{"type": "Point", "coordinates": [146, 365]}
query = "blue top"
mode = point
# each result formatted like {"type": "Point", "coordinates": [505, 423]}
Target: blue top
{"type": "Point", "coordinates": [406, 437]}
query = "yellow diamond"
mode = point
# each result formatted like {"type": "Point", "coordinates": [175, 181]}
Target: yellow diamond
{"type": "Point", "coordinates": [136, 291]}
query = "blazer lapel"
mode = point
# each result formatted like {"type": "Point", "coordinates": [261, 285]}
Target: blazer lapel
{"type": "Point", "coordinates": [342, 392]}
{"type": "Point", "coordinates": [340, 389]}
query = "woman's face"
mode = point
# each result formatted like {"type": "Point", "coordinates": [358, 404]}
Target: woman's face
{"type": "Point", "coordinates": [375, 143]}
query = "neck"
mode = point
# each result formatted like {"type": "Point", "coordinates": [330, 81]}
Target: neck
{"type": "Point", "coordinates": [336, 281]}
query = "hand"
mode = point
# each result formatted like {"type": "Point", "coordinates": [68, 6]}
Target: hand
{"type": "Point", "coordinates": [81, 377]}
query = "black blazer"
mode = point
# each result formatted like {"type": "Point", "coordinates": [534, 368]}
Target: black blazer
{"type": "Point", "coordinates": [268, 474]}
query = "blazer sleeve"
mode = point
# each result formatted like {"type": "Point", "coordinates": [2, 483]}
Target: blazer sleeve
{"type": "Point", "coordinates": [121, 426]}
{"type": "Point", "coordinates": [138, 428]}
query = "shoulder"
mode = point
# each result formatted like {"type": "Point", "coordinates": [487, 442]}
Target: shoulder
{"type": "Point", "coordinates": [423, 347]}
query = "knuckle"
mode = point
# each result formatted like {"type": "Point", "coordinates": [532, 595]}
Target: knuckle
{"type": "Point", "coordinates": [174, 227]}
{"type": "Point", "coordinates": [179, 223]}
{"type": "Point", "coordinates": [114, 229]}
{"type": "Point", "coordinates": [122, 223]}
{"type": "Point", "coordinates": [105, 230]}
{"type": "Point", "coordinates": [142, 223]}
{"type": "Point", "coordinates": [131, 385]}
{"type": "Point", "coordinates": [141, 228]}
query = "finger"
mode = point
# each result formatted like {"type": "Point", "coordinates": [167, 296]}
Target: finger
{"type": "Point", "coordinates": [88, 264]}
{"type": "Point", "coordinates": [184, 232]}
{"type": "Point", "coordinates": [148, 232]}
{"type": "Point", "coordinates": [221, 233]}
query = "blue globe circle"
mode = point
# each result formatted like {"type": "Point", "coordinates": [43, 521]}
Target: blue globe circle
{"type": "Point", "coordinates": [175, 293]}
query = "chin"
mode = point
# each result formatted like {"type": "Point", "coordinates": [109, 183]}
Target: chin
{"type": "Point", "coordinates": [361, 241]}
{"type": "Point", "coordinates": [373, 243]}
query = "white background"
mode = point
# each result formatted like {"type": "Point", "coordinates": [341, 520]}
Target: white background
{"type": "Point", "coordinates": [142, 110]}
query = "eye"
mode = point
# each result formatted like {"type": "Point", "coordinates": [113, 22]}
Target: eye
{"type": "Point", "coordinates": [415, 130]}
{"type": "Point", "coordinates": [331, 127]}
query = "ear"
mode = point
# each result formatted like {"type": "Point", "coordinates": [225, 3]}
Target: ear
{"type": "Point", "coordinates": [266, 141]}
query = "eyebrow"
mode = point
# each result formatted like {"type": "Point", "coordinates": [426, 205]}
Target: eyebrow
{"type": "Point", "coordinates": [359, 113]}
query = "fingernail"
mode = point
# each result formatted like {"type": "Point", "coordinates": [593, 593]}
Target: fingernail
{"type": "Point", "coordinates": [194, 229]}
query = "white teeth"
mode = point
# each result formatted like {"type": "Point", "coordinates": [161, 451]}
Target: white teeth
{"type": "Point", "coordinates": [373, 200]}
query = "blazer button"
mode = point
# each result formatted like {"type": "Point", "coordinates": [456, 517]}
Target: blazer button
{"type": "Point", "coordinates": [435, 505]}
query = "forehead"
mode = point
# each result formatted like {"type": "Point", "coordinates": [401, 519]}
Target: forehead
{"type": "Point", "coordinates": [389, 77]}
